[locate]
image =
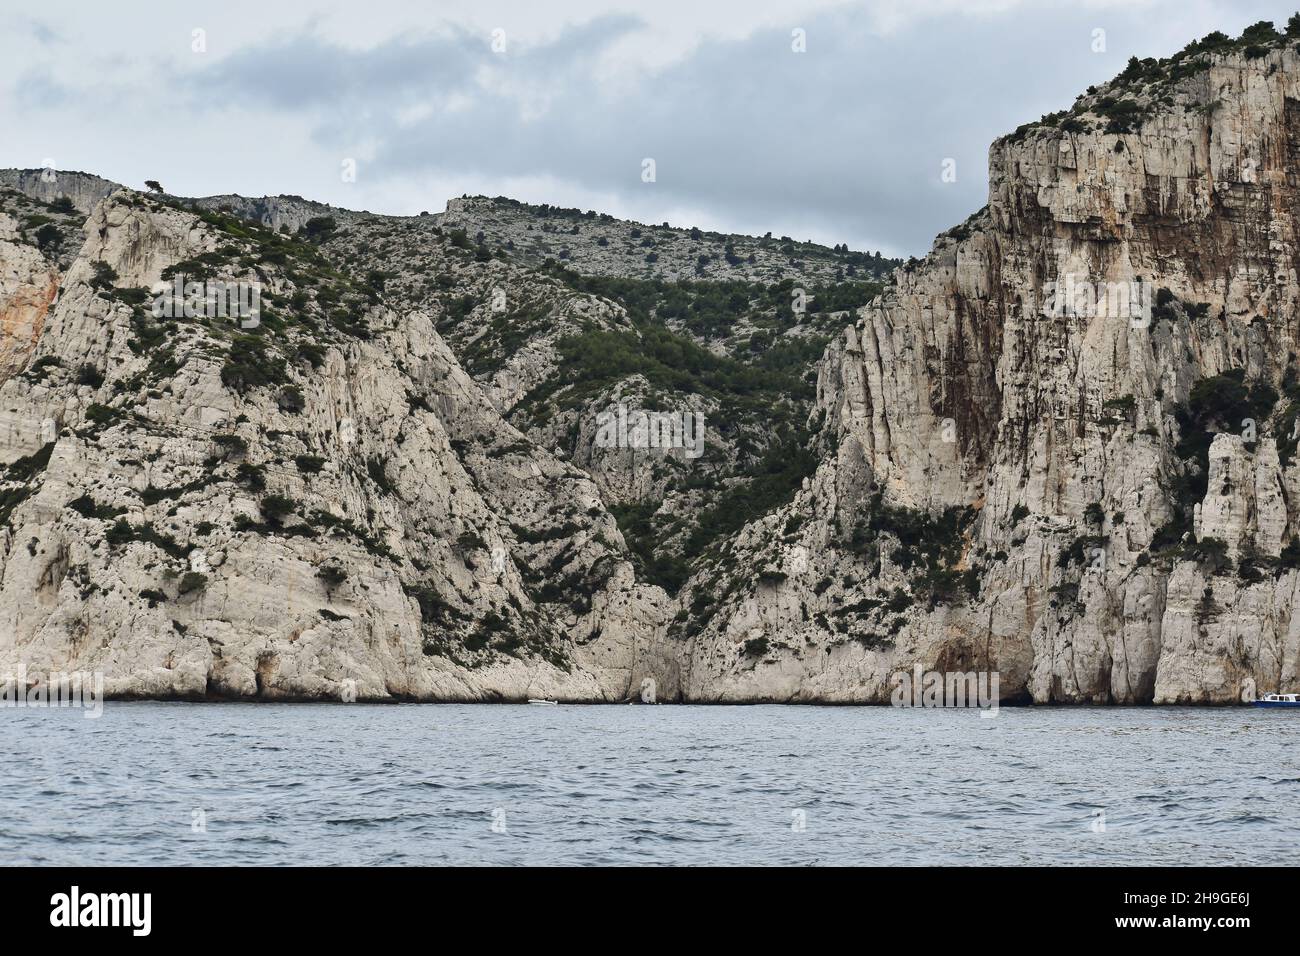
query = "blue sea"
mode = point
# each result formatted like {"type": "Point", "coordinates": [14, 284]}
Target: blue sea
{"type": "Point", "coordinates": [387, 785]}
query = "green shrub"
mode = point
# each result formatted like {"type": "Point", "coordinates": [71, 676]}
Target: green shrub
{"type": "Point", "coordinates": [311, 353]}
{"type": "Point", "coordinates": [1210, 552]}
{"type": "Point", "coordinates": [1220, 402]}
{"type": "Point", "coordinates": [1216, 403]}
{"type": "Point", "coordinates": [469, 541]}
{"type": "Point", "coordinates": [230, 444]}
{"type": "Point", "coordinates": [249, 365]}
{"type": "Point", "coordinates": [252, 476]}
{"type": "Point", "coordinates": [291, 399]}
{"type": "Point", "coordinates": [103, 277]}
{"type": "Point", "coordinates": [89, 375]}
{"type": "Point", "coordinates": [318, 229]}
{"type": "Point", "coordinates": [1077, 552]}
{"type": "Point", "coordinates": [48, 238]}
{"type": "Point", "coordinates": [276, 508]}
{"type": "Point", "coordinates": [331, 576]}
{"type": "Point", "coordinates": [1124, 404]}
{"type": "Point", "coordinates": [192, 581]}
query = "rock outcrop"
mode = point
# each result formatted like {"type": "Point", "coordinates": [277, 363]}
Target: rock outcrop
{"type": "Point", "coordinates": [1047, 377]}
{"type": "Point", "coordinates": [85, 190]}
{"type": "Point", "coordinates": [290, 513]}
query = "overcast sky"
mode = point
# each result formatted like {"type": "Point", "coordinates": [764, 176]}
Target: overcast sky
{"type": "Point", "coordinates": [562, 102]}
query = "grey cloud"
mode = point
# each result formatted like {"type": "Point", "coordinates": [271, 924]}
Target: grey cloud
{"type": "Point", "coordinates": [750, 129]}
{"type": "Point", "coordinates": [306, 72]}
{"type": "Point", "coordinates": [849, 136]}
{"type": "Point", "coordinates": [38, 89]}
{"type": "Point", "coordinates": [43, 33]}
{"type": "Point", "coordinates": [310, 72]}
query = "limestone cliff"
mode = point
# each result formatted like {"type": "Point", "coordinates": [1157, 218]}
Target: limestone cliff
{"type": "Point", "coordinates": [1099, 501]}
{"type": "Point", "coordinates": [1061, 447]}
{"type": "Point", "coordinates": [301, 510]}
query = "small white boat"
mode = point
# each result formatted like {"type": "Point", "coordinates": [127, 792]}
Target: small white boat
{"type": "Point", "coordinates": [1278, 700]}
{"type": "Point", "coordinates": [544, 703]}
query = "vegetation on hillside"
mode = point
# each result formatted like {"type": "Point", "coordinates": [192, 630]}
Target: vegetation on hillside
{"type": "Point", "coordinates": [1146, 85]}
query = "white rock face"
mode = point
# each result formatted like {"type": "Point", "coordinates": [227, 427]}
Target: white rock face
{"type": "Point", "coordinates": [84, 189]}
{"type": "Point", "coordinates": [440, 520]}
{"type": "Point", "coordinates": [1061, 432]}
{"type": "Point", "coordinates": [28, 284]}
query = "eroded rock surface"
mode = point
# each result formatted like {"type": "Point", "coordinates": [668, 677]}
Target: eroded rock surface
{"type": "Point", "coordinates": [1117, 552]}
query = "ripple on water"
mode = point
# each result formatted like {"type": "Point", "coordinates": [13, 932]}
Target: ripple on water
{"type": "Point", "coordinates": [681, 785]}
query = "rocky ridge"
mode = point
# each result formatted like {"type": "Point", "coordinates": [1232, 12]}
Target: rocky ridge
{"type": "Point", "coordinates": [598, 244]}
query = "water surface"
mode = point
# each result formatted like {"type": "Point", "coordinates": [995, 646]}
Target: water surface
{"type": "Point", "coordinates": [190, 784]}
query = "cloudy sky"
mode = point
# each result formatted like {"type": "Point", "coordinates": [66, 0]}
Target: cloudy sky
{"type": "Point", "coordinates": [562, 102]}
